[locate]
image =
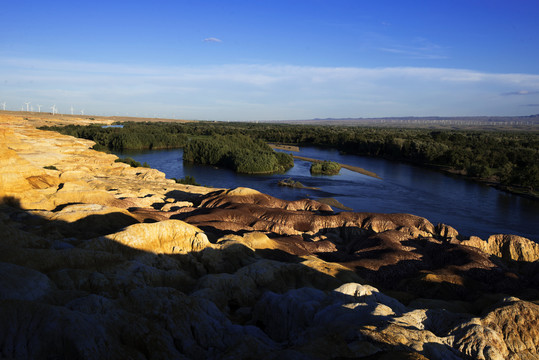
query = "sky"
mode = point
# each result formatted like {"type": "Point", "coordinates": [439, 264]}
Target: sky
{"type": "Point", "coordinates": [271, 60]}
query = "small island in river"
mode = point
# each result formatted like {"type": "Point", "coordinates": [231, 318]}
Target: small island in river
{"type": "Point", "coordinates": [295, 184]}
{"type": "Point", "coordinates": [325, 168]}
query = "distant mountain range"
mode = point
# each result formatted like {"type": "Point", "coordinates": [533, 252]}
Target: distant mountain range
{"type": "Point", "coordinates": [424, 120]}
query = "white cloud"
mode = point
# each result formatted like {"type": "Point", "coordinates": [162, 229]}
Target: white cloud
{"type": "Point", "coordinates": [414, 53]}
{"type": "Point", "coordinates": [254, 91]}
{"type": "Point", "coordinates": [213, 39]}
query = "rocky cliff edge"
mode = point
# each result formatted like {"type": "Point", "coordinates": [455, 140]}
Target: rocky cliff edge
{"type": "Point", "coordinates": [99, 260]}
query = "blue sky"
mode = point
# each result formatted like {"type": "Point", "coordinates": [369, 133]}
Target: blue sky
{"type": "Point", "coordinates": [271, 60]}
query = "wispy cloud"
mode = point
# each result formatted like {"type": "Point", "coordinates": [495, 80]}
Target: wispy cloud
{"type": "Point", "coordinates": [521, 92]}
{"type": "Point", "coordinates": [262, 91]}
{"type": "Point", "coordinates": [213, 40]}
{"type": "Point", "coordinates": [415, 52]}
{"type": "Point", "coordinates": [419, 48]}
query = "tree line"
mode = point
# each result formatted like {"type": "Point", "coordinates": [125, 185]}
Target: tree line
{"type": "Point", "coordinates": [133, 136]}
{"type": "Point", "coordinates": [510, 158]}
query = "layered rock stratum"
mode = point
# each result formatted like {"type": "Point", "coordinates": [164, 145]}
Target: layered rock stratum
{"type": "Point", "coordinates": [99, 260]}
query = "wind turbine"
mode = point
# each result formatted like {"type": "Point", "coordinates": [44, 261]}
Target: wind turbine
{"type": "Point", "coordinates": [53, 108]}
{"type": "Point", "coordinates": [4, 106]}
{"type": "Point", "coordinates": [71, 109]}
{"type": "Point", "coordinates": [27, 103]}
{"type": "Point", "coordinates": [82, 112]}
{"type": "Point", "coordinates": [39, 108]}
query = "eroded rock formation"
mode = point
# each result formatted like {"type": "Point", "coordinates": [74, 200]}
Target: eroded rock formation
{"type": "Point", "coordinates": [101, 260]}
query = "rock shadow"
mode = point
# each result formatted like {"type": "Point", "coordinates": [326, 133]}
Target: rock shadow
{"type": "Point", "coordinates": [179, 195]}
{"type": "Point", "coordinates": [102, 299]}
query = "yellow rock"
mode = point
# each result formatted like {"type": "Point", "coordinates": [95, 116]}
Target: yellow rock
{"type": "Point", "coordinates": [242, 191]}
{"type": "Point", "coordinates": [14, 170]}
{"type": "Point", "coordinates": [75, 212]}
{"type": "Point", "coordinates": [74, 193]}
{"type": "Point", "coordinates": [174, 205]}
{"type": "Point", "coordinates": [507, 247]}
{"type": "Point", "coordinates": [164, 237]}
{"type": "Point", "coordinates": [254, 240]}
{"type": "Point", "coordinates": [335, 270]}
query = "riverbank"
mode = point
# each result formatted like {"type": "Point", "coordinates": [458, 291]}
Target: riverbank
{"type": "Point", "coordinates": [533, 195]}
{"type": "Point", "coordinates": [476, 209]}
{"type": "Point", "coordinates": [515, 190]}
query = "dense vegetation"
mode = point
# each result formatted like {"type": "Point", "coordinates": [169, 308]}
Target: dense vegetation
{"type": "Point", "coordinates": [139, 136]}
{"type": "Point", "coordinates": [510, 158]}
{"type": "Point", "coordinates": [325, 168]}
{"type": "Point", "coordinates": [237, 152]}
{"type": "Point", "coordinates": [187, 180]}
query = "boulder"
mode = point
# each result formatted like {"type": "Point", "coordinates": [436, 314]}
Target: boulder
{"type": "Point", "coordinates": [507, 247]}
{"type": "Point", "coordinates": [21, 283]}
{"type": "Point", "coordinates": [517, 322]}
{"type": "Point", "coordinates": [446, 231]}
{"type": "Point", "coordinates": [164, 237]}
{"type": "Point", "coordinates": [31, 330]}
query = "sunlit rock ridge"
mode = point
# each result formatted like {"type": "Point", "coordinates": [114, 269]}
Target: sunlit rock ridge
{"type": "Point", "coordinates": [99, 260]}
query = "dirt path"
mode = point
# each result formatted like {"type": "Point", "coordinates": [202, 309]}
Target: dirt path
{"type": "Point", "coordinates": [284, 147]}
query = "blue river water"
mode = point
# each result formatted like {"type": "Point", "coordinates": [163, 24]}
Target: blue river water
{"type": "Point", "coordinates": [469, 207]}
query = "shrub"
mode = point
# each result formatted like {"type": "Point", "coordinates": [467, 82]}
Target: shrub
{"type": "Point", "coordinates": [129, 161]}
{"type": "Point", "coordinates": [187, 180]}
{"type": "Point", "coordinates": [325, 168]}
{"type": "Point", "coordinates": [102, 148]}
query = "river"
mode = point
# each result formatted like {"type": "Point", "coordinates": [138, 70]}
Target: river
{"type": "Point", "coordinates": [469, 207]}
